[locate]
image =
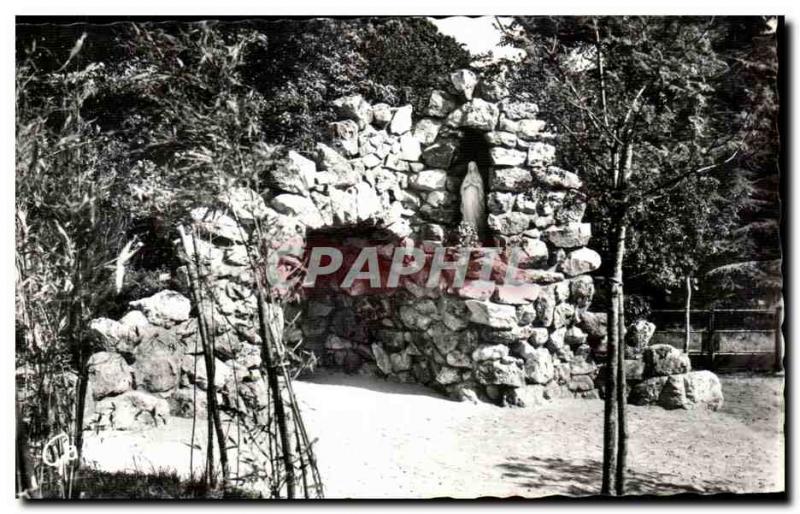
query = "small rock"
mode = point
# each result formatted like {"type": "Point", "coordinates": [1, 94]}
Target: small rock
{"type": "Point", "coordinates": [464, 81]}
{"type": "Point", "coordinates": [489, 352]}
{"type": "Point", "coordinates": [355, 108]}
{"type": "Point", "coordinates": [501, 317]}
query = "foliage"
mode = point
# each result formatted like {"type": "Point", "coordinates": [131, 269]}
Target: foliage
{"type": "Point", "coordinates": [683, 96]}
{"type": "Point", "coordinates": [307, 64]}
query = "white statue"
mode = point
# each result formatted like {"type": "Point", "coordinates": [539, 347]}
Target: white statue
{"type": "Point", "coordinates": [473, 208]}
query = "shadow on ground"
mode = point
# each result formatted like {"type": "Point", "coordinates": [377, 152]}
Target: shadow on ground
{"type": "Point", "coordinates": [371, 383]}
{"type": "Point", "coordinates": [583, 478]}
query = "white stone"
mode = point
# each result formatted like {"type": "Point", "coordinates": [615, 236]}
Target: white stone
{"type": "Point", "coordinates": [295, 174]}
{"type": "Point", "coordinates": [578, 262]}
{"type": "Point", "coordinates": [429, 180]}
{"type": "Point", "coordinates": [519, 110]}
{"type": "Point", "coordinates": [164, 308]}
{"type": "Point", "coordinates": [368, 203]}
{"type": "Point", "coordinates": [529, 129]}
{"type": "Point", "coordinates": [510, 179]}
{"type": "Point", "coordinates": [300, 206]}
{"type": "Point", "coordinates": [541, 154]}
{"type": "Point", "coordinates": [355, 108]}
{"type": "Point", "coordinates": [440, 104]}
{"type": "Point", "coordinates": [502, 317]}
{"type": "Point", "coordinates": [410, 149]}
{"type": "Point", "coordinates": [571, 235]}
{"type": "Point", "coordinates": [506, 156]}
{"type": "Point", "coordinates": [401, 122]}
{"type": "Point", "coordinates": [501, 138]}
{"type": "Point", "coordinates": [477, 114]}
{"type": "Point", "coordinates": [490, 352]}
{"type": "Point", "coordinates": [464, 81]}
{"type": "Point", "coordinates": [559, 178]}
{"type": "Point", "coordinates": [426, 130]}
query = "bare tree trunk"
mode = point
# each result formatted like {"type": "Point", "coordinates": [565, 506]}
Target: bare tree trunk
{"type": "Point", "coordinates": [269, 362]}
{"type": "Point", "coordinates": [611, 414]}
{"type": "Point", "coordinates": [619, 298]}
{"type": "Point", "coordinates": [688, 336]}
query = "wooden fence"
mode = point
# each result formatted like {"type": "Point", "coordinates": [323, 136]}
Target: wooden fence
{"type": "Point", "coordinates": [725, 338]}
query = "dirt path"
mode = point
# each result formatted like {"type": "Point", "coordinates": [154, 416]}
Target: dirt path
{"type": "Point", "coordinates": [399, 441]}
{"type": "Point", "coordinates": [378, 439]}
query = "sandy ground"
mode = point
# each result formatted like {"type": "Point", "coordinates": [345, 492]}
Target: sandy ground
{"type": "Point", "coordinates": [378, 439]}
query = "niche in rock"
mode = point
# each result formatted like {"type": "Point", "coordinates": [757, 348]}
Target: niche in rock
{"type": "Point", "coordinates": [473, 148]}
{"type": "Point", "coordinates": [338, 320]}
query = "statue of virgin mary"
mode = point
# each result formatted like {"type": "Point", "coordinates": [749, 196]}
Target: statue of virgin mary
{"type": "Point", "coordinates": [473, 200]}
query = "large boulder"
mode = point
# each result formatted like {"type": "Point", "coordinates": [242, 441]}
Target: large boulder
{"type": "Point", "coordinates": [109, 375]}
{"type": "Point", "coordinates": [703, 389]}
{"type": "Point", "coordinates": [133, 410]}
{"type": "Point", "coordinates": [429, 180]}
{"type": "Point", "coordinates": [165, 308]}
{"type": "Point", "coordinates": [661, 360]}
{"type": "Point", "coordinates": [680, 391]}
{"type": "Point", "coordinates": [157, 369]}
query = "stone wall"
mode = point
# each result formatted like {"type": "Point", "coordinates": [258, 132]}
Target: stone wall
{"type": "Point", "coordinates": [385, 175]}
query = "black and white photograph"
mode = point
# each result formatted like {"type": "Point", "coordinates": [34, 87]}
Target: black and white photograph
{"type": "Point", "coordinates": [399, 257]}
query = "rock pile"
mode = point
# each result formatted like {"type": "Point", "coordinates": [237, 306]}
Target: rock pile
{"type": "Point", "coordinates": [663, 377]}
{"type": "Point", "coordinates": [386, 171]}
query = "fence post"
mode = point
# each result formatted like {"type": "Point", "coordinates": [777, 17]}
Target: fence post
{"type": "Point", "coordinates": [710, 335]}
{"type": "Point", "coordinates": [778, 339]}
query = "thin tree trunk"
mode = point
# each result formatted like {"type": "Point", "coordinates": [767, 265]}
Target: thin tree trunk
{"type": "Point", "coordinates": [688, 336]}
{"type": "Point", "coordinates": [619, 298]}
{"type": "Point", "coordinates": [610, 418]}
{"type": "Point", "coordinates": [270, 363]}
{"type": "Point", "coordinates": [26, 479]}
{"type": "Point", "coordinates": [214, 421]}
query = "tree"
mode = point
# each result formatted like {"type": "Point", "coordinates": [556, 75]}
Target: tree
{"type": "Point", "coordinates": [634, 102]}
